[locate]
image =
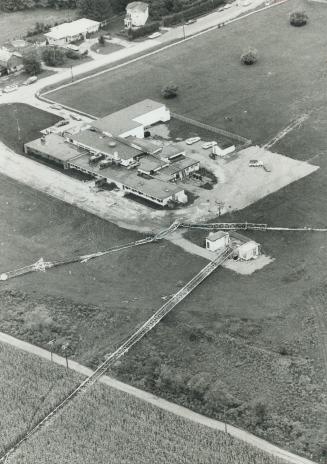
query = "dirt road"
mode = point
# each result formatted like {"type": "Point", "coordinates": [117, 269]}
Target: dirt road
{"type": "Point", "coordinates": [160, 403]}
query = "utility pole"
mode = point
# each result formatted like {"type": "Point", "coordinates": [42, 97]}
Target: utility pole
{"type": "Point", "coordinates": [225, 420]}
{"type": "Point", "coordinates": [50, 343]}
{"type": "Point", "coordinates": [71, 71]}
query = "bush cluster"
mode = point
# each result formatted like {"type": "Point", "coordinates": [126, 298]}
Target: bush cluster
{"type": "Point", "coordinates": [298, 18]}
{"type": "Point", "coordinates": [170, 90]}
{"type": "Point", "coordinates": [142, 31]}
{"type": "Point", "coordinates": [196, 9]}
{"type": "Point", "coordinates": [249, 57]}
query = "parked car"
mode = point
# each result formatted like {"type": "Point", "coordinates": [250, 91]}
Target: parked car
{"type": "Point", "coordinates": [75, 116]}
{"type": "Point", "coordinates": [207, 145]}
{"type": "Point", "coordinates": [228, 5]}
{"type": "Point", "coordinates": [61, 123]}
{"type": "Point", "coordinates": [104, 164]}
{"type": "Point", "coordinates": [95, 158]}
{"type": "Point", "coordinates": [154, 35]}
{"type": "Point", "coordinates": [190, 21]}
{"type": "Point", "coordinates": [30, 80]}
{"type": "Point", "coordinates": [192, 140]}
{"type": "Point", "coordinates": [10, 88]}
{"type": "Point", "coordinates": [55, 106]}
{"type": "Point", "coordinates": [255, 164]}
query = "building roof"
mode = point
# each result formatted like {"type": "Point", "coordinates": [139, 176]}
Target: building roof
{"type": "Point", "coordinates": [139, 6]}
{"type": "Point", "coordinates": [151, 163]}
{"type": "Point", "coordinates": [55, 146]}
{"type": "Point", "coordinates": [126, 119]}
{"type": "Point", "coordinates": [169, 171]}
{"type": "Point", "coordinates": [5, 56]}
{"type": "Point", "coordinates": [130, 178]}
{"type": "Point", "coordinates": [213, 236]}
{"type": "Point", "coordinates": [144, 144]}
{"type": "Point", "coordinates": [80, 26]}
{"type": "Point", "coordinates": [171, 150]}
{"type": "Point", "coordinates": [104, 144]}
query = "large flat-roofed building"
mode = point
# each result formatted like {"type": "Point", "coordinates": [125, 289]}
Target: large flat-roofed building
{"type": "Point", "coordinates": [112, 148]}
{"type": "Point", "coordinates": [53, 147]}
{"type": "Point", "coordinates": [68, 32]}
{"type": "Point", "coordinates": [129, 181]}
{"type": "Point", "coordinates": [133, 120]}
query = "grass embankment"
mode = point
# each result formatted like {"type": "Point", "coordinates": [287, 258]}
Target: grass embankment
{"type": "Point", "coordinates": [103, 425]}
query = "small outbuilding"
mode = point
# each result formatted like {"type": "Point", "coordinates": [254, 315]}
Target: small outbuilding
{"type": "Point", "coordinates": [10, 62]}
{"type": "Point", "coordinates": [249, 250]}
{"type": "Point", "coordinates": [217, 241]}
{"type": "Point", "coordinates": [137, 14]}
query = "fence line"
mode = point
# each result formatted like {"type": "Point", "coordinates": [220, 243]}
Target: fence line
{"type": "Point", "coordinates": [217, 130]}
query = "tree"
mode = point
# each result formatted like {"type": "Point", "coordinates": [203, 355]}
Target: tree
{"type": "Point", "coordinates": [298, 18]}
{"type": "Point", "coordinates": [95, 9]}
{"type": "Point", "coordinates": [249, 56]}
{"type": "Point", "coordinates": [32, 63]}
{"type": "Point", "coordinates": [101, 40]}
{"type": "Point", "coordinates": [170, 90]}
{"type": "Point", "coordinates": [53, 56]}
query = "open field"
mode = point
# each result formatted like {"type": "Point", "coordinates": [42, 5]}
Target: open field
{"type": "Point", "coordinates": [117, 427]}
{"type": "Point", "coordinates": [22, 123]}
{"type": "Point", "coordinates": [15, 25]}
{"type": "Point", "coordinates": [286, 82]}
{"type": "Point", "coordinates": [29, 389]}
{"type": "Point", "coordinates": [250, 345]}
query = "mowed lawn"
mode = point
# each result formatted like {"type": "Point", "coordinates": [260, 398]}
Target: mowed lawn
{"type": "Point", "coordinates": [287, 80]}
{"type": "Point", "coordinates": [22, 123]}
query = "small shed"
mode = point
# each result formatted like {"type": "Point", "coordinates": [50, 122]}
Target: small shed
{"type": "Point", "coordinates": [217, 241]}
{"type": "Point", "coordinates": [137, 14]}
{"type": "Point", "coordinates": [249, 250]}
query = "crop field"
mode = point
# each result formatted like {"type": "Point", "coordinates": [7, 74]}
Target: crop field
{"type": "Point", "coordinates": [29, 388]}
{"type": "Point", "coordinates": [116, 427]}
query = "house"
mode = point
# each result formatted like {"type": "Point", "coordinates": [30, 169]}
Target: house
{"type": "Point", "coordinates": [249, 250]}
{"type": "Point", "coordinates": [137, 14]}
{"type": "Point", "coordinates": [217, 241]}
{"type": "Point", "coordinates": [133, 120]}
{"type": "Point", "coordinates": [70, 32]}
{"type": "Point", "coordinates": [10, 61]}
{"type": "Point", "coordinates": [112, 148]}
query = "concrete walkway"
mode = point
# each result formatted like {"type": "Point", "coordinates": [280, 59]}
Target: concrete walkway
{"type": "Point", "coordinates": [160, 403]}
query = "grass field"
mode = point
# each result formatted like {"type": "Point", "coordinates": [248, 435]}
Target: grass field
{"type": "Point", "coordinates": [15, 25]}
{"type": "Point", "coordinates": [22, 123]}
{"type": "Point", "coordinates": [261, 99]}
{"type": "Point", "coordinates": [237, 339]}
{"type": "Point", "coordinates": [103, 425]}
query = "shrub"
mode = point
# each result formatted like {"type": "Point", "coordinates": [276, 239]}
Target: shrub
{"type": "Point", "coordinates": [32, 64]}
{"type": "Point", "coordinates": [249, 57]}
{"type": "Point", "coordinates": [53, 56]}
{"type": "Point", "coordinates": [101, 40]}
{"type": "Point", "coordinates": [170, 90]}
{"type": "Point", "coordinates": [142, 31]}
{"type": "Point", "coordinates": [72, 55]}
{"type": "Point", "coordinates": [298, 18]}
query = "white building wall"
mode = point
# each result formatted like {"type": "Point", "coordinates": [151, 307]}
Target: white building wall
{"type": "Point", "coordinates": [219, 244]}
{"type": "Point", "coordinates": [160, 114]}
{"type": "Point", "coordinates": [136, 132]}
